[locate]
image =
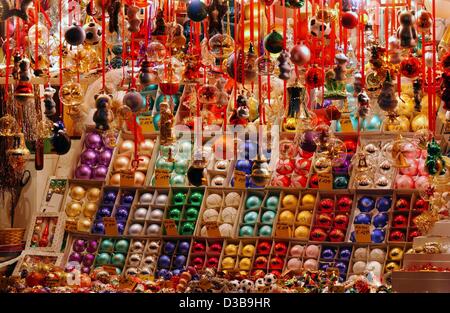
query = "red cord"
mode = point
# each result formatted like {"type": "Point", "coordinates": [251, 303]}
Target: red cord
{"type": "Point", "coordinates": [61, 107]}
{"type": "Point", "coordinates": [103, 46]}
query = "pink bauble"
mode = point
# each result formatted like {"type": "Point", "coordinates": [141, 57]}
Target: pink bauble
{"type": "Point", "coordinates": [285, 167]}
{"type": "Point", "coordinates": [281, 181]}
{"type": "Point", "coordinates": [424, 154]}
{"type": "Point", "coordinates": [300, 55]}
{"type": "Point", "coordinates": [310, 265]}
{"type": "Point", "coordinates": [421, 182]}
{"type": "Point", "coordinates": [302, 166]}
{"type": "Point", "coordinates": [93, 141]}
{"type": "Point", "coordinates": [105, 157]}
{"type": "Point", "coordinates": [100, 172]}
{"type": "Point", "coordinates": [83, 172]}
{"type": "Point", "coordinates": [421, 168]}
{"type": "Point", "coordinates": [411, 170]}
{"type": "Point", "coordinates": [404, 182]}
{"type": "Point", "coordinates": [312, 251]}
{"type": "Point", "coordinates": [294, 264]}
{"type": "Point", "coordinates": [299, 181]}
{"type": "Point", "coordinates": [297, 251]}
{"type": "Point", "coordinates": [89, 157]}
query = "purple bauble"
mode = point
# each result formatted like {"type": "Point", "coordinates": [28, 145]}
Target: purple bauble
{"type": "Point", "coordinates": [343, 168]}
{"type": "Point", "coordinates": [341, 266]}
{"type": "Point", "coordinates": [104, 157]}
{"type": "Point", "coordinates": [183, 247]}
{"type": "Point", "coordinates": [121, 213]}
{"type": "Point", "coordinates": [83, 172]}
{"type": "Point", "coordinates": [345, 253]}
{"type": "Point", "coordinates": [121, 227]}
{"type": "Point", "coordinates": [163, 272]}
{"type": "Point", "coordinates": [89, 157]}
{"type": "Point", "coordinates": [85, 269]}
{"type": "Point", "coordinates": [176, 272]}
{"type": "Point", "coordinates": [99, 228]}
{"type": "Point", "coordinates": [179, 261]}
{"type": "Point", "coordinates": [110, 197]}
{"type": "Point", "coordinates": [308, 143]}
{"type": "Point", "coordinates": [100, 172]}
{"type": "Point", "coordinates": [75, 257]}
{"type": "Point", "coordinates": [169, 247]}
{"type": "Point", "coordinates": [88, 259]}
{"type": "Point", "coordinates": [328, 253]}
{"type": "Point", "coordinates": [133, 100]}
{"type": "Point", "coordinates": [168, 275]}
{"type": "Point", "coordinates": [104, 211]}
{"type": "Point", "coordinates": [93, 141]}
{"type": "Point", "coordinates": [164, 261]}
{"type": "Point", "coordinates": [127, 199]}
{"type": "Point", "coordinates": [79, 245]}
{"type": "Point", "coordinates": [324, 266]}
{"type": "Point", "coordinates": [92, 246]}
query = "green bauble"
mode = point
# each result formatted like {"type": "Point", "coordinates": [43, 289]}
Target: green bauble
{"type": "Point", "coordinates": [177, 180]}
{"type": "Point", "coordinates": [156, 119]}
{"type": "Point", "coordinates": [196, 198]}
{"type": "Point", "coordinates": [107, 245]}
{"type": "Point", "coordinates": [103, 259]}
{"type": "Point", "coordinates": [272, 202]}
{"type": "Point", "coordinates": [265, 231]}
{"type": "Point", "coordinates": [268, 217]}
{"type": "Point", "coordinates": [192, 214]}
{"type": "Point", "coordinates": [250, 217]}
{"type": "Point", "coordinates": [187, 228]}
{"type": "Point", "coordinates": [181, 166]}
{"type": "Point", "coordinates": [253, 202]}
{"type": "Point", "coordinates": [165, 150]}
{"type": "Point", "coordinates": [246, 231]}
{"type": "Point", "coordinates": [122, 246]}
{"type": "Point", "coordinates": [179, 198]}
{"type": "Point", "coordinates": [185, 148]}
{"type": "Point", "coordinates": [273, 42]}
{"type": "Point", "coordinates": [118, 259]}
{"type": "Point", "coordinates": [175, 214]}
{"type": "Point", "coordinates": [163, 164]}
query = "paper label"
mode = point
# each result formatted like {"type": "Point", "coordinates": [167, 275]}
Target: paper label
{"type": "Point", "coordinates": [362, 233]}
{"type": "Point", "coordinates": [171, 227]}
{"type": "Point", "coordinates": [282, 230]}
{"type": "Point", "coordinates": [162, 177]}
{"type": "Point", "coordinates": [239, 179]}
{"type": "Point", "coordinates": [346, 123]}
{"type": "Point", "coordinates": [71, 226]}
{"type": "Point", "coordinates": [127, 178]}
{"type": "Point", "coordinates": [325, 181]}
{"type": "Point", "coordinates": [146, 123]}
{"type": "Point", "coordinates": [212, 229]}
{"type": "Point", "coordinates": [110, 226]}
{"type": "Point", "coordinates": [54, 203]}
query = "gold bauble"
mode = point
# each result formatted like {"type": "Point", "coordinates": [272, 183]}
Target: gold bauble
{"type": "Point", "coordinates": [77, 193]}
{"type": "Point", "coordinates": [424, 104]}
{"type": "Point", "coordinates": [396, 254]}
{"type": "Point", "coordinates": [404, 123]}
{"type": "Point", "coordinates": [115, 179]}
{"type": "Point", "coordinates": [127, 146]}
{"type": "Point", "coordinates": [89, 209]}
{"type": "Point", "coordinates": [84, 224]}
{"type": "Point", "coordinates": [93, 194]}
{"type": "Point", "coordinates": [121, 163]}
{"type": "Point", "coordinates": [290, 124]}
{"type": "Point", "coordinates": [392, 266]}
{"type": "Point", "coordinates": [405, 107]}
{"type": "Point", "coordinates": [255, 11]}
{"type": "Point", "coordinates": [73, 209]}
{"type": "Point", "coordinates": [143, 163]}
{"type": "Point", "coordinates": [420, 121]}
{"type": "Point", "coordinates": [139, 178]}
{"type": "Point", "coordinates": [146, 146]}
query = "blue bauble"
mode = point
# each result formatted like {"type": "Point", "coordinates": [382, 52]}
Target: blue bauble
{"type": "Point", "coordinates": [183, 247]}
{"type": "Point", "coordinates": [110, 197]}
{"type": "Point", "coordinates": [169, 247]}
{"type": "Point", "coordinates": [99, 228]}
{"type": "Point", "coordinates": [362, 218]}
{"type": "Point", "coordinates": [341, 266]}
{"type": "Point", "coordinates": [104, 211]}
{"type": "Point", "coordinates": [353, 236]}
{"type": "Point", "coordinates": [377, 235]}
{"type": "Point", "coordinates": [127, 198]}
{"type": "Point", "coordinates": [176, 272]}
{"type": "Point", "coordinates": [244, 166]}
{"type": "Point", "coordinates": [247, 150]}
{"type": "Point", "coordinates": [328, 253]}
{"type": "Point", "coordinates": [373, 125]}
{"type": "Point", "coordinates": [380, 220]}
{"type": "Point", "coordinates": [168, 275]}
{"type": "Point", "coordinates": [164, 261]}
{"type": "Point", "coordinates": [366, 204]}
{"type": "Point", "coordinates": [162, 272]}
{"type": "Point", "coordinates": [197, 11]}
{"type": "Point", "coordinates": [324, 266]}
{"type": "Point", "coordinates": [384, 203]}
{"type": "Point", "coordinates": [345, 253]}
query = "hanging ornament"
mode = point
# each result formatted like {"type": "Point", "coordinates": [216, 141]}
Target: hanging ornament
{"type": "Point", "coordinates": [273, 42]}
{"type": "Point", "coordinates": [75, 35]}
{"type": "Point", "coordinates": [197, 11]}
{"type": "Point", "coordinates": [60, 140]}
{"type": "Point", "coordinates": [410, 67]}
{"type": "Point", "coordinates": [160, 24]}
{"type": "Point", "coordinates": [175, 40]}
{"type": "Point", "coordinates": [300, 55]}
{"type": "Point", "coordinates": [103, 116]}
{"type": "Point", "coordinates": [93, 33]}
{"type": "Point", "coordinates": [18, 152]}
{"type": "Point", "coordinates": [284, 66]}
{"type": "Point", "coordinates": [71, 95]}
{"type": "Point", "coordinates": [445, 90]}
{"type": "Point", "coordinates": [363, 105]}
{"type": "Point", "coordinates": [113, 8]}
{"type": "Point", "coordinates": [357, 83]}
{"type": "Point", "coordinates": [319, 28]}
{"type": "Point", "coordinates": [435, 163]}
{"type": "Point", "coordinates": [216, 11]}
{"type": "Point", "coordinates": [147, 75]}
{"type": "Point", "coordinates": [49, 103]}
{"type": "Point", "coordinates": [221, 46]}
{"type": "Point", "coordinates": [394, 50]}
{"type": "Point", "coordinates": [134, 101]}
{"type": "Point", "coordinates": [424, 21]}
{"type": "Point", "coordinates": [349, 19]}
{"type": "Point", "coordinates": [314, 77]}
{"type": "Point", "coordinates": [406, 32]}
{"type": "Point", "coordinates": [21, 13]}
{"type": "Point", "coordinates": [387, 100]}
{"type": "Point", "coordinates": [134, 23]}
{"type": "Point", "coordinates": [166, 124]}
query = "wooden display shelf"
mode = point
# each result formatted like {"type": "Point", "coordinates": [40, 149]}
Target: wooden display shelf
{"type": "Point", "coordinates": [420, 282]}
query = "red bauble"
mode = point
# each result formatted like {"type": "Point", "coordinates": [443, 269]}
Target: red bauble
{"type": "Point", "coordinates": [197, 262]}
{"type": "Point", "coordinates": [397, 235]}
{"type": "Point", "coordinates": [318, 234]}
{"type": "Point", "coordinates": [324, 220]}
{"type": "Point", "coordinates": [326, 205]}
{"type": "Point", "coordinates": [341, 221]}
{"type": "Point", "coordinates": [413, 234]}
{"type": "Point", "coordinates": [305, 154]}
{"type": "Point", "coordinates": [258, 274]}
{"type": "Point", "coordinates": [263, 248]}
{"type": "Point", "coordinates": [213, 262]}
{"type": "Point", "coordinates": [34, 279]}
{"type": "Point", "coordinates": [400, 221]}
{"type": "Point", "coordinates": [299, 181]}
{"type": "Point", "coordinates": [276, 273]}
{"type": "Point", "coordinates": [281, 181]}
{"type": "Point", "coordinates": [280, 248]}
{"type": "Point", "coordinates": [350, 145]}
{"type": "Point", "coordinates": [349, 19]}
{"type": "Point", "coordinates": [261, 262]}
{"type": "Point", "coordinates": [336, 235]}
{"type": "Point", "coordinates": [402, 204]}
{"type": "Point", "coordinates": [410, 67]}
{"type": "Point", "coordinates": [276, 263]}
{"type": "Point", "coordinates": [198, 247]}
{"type": "Point", "coordinates": [314, 181]}
{"type": "Point", "coordinates": [314, 77]}
{"type": "Point", "coordinates": [215, 247]}
{"type": "Point", "coordinates": [344, 204]}
{"type": "Point", "coordinates": [302, 166]}
{"type": "Point", "coordinates": [420, 205]}
{"type": "Point", "coordinates": [285, 167]}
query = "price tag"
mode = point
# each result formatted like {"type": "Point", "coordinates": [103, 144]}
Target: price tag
{"type": "Point", "coordinates": [71, 226]}
{"type": "Point", "coordinates": [171, 227]}
{"type": "Point", "coordinates": [110, 226]}
{"type": "Point", "coordinates": [146, 123]}
{"type": "Point", "coordinates": [239, 179]}
{"type": "Point", "coordinates": [110, 269]}
{"type": "Point", "coordinates": [127, 178]}
{"type": "Point", "coordinates": [212, 229]}
{"type": "Point", "coordinates": [362, 233]}
{"type": "Point", "coordinates": [162, 177]}
{"type": "Point", "coordinates": [325, 181]}
{"type": "Point", "coordinates": [282, 230]}
{"type": "Point", "coordinates": [346, 123]}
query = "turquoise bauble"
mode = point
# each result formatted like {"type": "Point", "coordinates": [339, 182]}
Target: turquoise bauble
{"type": "Point", "coordinates": [265, 231]}
{"type": "Point", "coordinates": [340, 182]}
{"type": "Point", "coordinates": [179, 198]}
{"type": "Point", "coordinates": [250, 217]}
{"type": "Point", "coordinates": [272, 202]}
{"type": "Point", "coordinates": [103, 259]}
{"type": "Point", "coordinates": [107, 245]}
{"type": "Point", "coordinates": [181, 166]}
{"type": "Point", "coordinates": [156, 119]}
{"type": "Point", "coordinates": [196, 198]}
{"type": "Point", "coordinates": [268, 217]}
{"type": "Point", "coordinates": [163, 164]}
{"type": "Point", "coordinates": [191, 214]}
{"type": "Point", "coordinates": [121, 246]}
{"type": "Point", "coordinates": [159, 99]}
{"type": "Point", "coordinates": [177, 180]}
{"type": "Point", "coordinates": [253, 202]}
{"type": "Point", "coordinates": [246, 231]}
{"type": "Point", "coordinates": [175, 214]}
{"type": "Point", "coordinates": [118, 259]}
{"type": "Point", "coordinates": [165, 150]}
{"type": "Point", "coordinates": [373, 125]}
